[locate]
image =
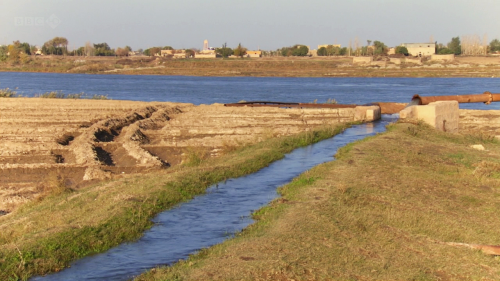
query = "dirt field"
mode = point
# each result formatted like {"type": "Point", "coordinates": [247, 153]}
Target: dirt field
{"type": "Point", "coordinates": [51, 142]}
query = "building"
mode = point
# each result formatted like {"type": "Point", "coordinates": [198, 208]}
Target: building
{"type": "Point", "coordinates": [326, 46]}
{"type": "Point", "coordinates": [420, 49]}
{"type": "Point", "coordinates": [176, 54]}
{"type": "Point", "coordinates": [254, 54]}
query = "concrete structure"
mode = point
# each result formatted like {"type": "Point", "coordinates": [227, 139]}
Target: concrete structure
{"type": "Point", "coordinates": [205, 55]}
{"type": "Point", "coordinates": [205, 45]}
{"type": "Point", "coordinates": [254, 54]}
{"type": "Point", "coordinates": [367, 113]}
{"type": "Point", "coordinates": [391, 51]}
{"type": "Point", "coordinates": [442, 115]}
{"type": "Point", "coordinates": [449, 57]}
{"type": "Point", "coordinates": [420, 49]}
{"type": "Point", "coordinates": [362, 60]}
{"type": "Point", "coordinates": [165, 53]}
{"type": "Point", "coordinates": [176, 54]}
{"type": "Point", "coordinates": [413, 60]}
{"type": "Point", "coordinates": [395, 60]}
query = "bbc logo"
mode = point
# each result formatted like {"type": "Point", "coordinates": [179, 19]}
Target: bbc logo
{"type": "Point", "coordinates": [53, 21]}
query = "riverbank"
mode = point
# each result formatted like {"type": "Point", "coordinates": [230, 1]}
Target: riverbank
{"type": "Point", "coordinates": [390, 207]}
{"type": "Point", "coordinates": [95, 218]}
{"type": "Point", "coordinates": [258, 67]}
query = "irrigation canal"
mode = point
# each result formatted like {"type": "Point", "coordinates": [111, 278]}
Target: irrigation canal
{"type": "Point", "coordinates": [210, 218]}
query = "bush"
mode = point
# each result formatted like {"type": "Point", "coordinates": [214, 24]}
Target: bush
{"type": "Point", "coordinates": [8, 93]}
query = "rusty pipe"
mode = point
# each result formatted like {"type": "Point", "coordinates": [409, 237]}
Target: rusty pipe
{"type": "Point", "coordinates": [485, 97]}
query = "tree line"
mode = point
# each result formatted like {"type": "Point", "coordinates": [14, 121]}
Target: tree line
{"type": "Point", "coordinates": [20, 51]}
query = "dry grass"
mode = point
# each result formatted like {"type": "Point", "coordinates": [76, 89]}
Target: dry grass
{"type": "Point", "coordinates": [383, 210]}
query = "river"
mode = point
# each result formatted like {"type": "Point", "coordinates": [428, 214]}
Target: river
{"type": "Point", "coordinates": [208, 90]}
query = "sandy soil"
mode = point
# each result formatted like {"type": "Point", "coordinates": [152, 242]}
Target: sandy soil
{"type": "Point", "coordinates": [47, 142]}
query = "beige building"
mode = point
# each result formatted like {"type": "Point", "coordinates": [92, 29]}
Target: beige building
{"type": "Point", "coordinates": [420, 49]}
{"type": "Point", "coordinates": [254, 54]}
{"type": "Point", "coordinates": [326, 46]}
{"type": "Point", "coordinates": [176, 54]}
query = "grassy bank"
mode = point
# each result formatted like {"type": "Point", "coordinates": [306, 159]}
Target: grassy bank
{"type": "Point", "coordinates": [384, 210]}
{"type": "Point", "coordinates": [46, 236]}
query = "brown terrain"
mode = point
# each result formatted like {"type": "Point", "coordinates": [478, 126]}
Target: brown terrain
{"type": "Point", "coordinates": [46, 142]}
{"type": "Point", "coordinates": [462, 66]}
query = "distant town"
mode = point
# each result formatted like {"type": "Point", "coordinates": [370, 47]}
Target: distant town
{"type": "Point", "coordinates": [465, 45]}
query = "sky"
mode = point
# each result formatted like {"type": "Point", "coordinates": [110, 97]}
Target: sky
{"type": "Point", "coordinates": [264, 24]}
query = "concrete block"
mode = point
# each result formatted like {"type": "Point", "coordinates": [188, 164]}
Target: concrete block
{"type": "Point", "coordinates": [442, 115]}
{"type": "Point", "coordinates": [448, 57]}
{"type": "Point", "coordinates": [367, 113]}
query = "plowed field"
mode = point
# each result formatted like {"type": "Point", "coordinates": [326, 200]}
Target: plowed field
{"type": "Point", "coordinates": [47, 143]}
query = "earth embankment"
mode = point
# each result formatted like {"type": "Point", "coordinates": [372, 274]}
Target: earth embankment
{"type": "Point", "coordinates": [49, 143]}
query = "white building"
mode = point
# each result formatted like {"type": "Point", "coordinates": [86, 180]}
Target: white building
{"type": "Point", "coordinates": [420, 49]}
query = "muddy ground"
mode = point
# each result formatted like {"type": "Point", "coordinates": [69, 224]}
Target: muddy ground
{"type": "Point", "coordinates": [48, 143]}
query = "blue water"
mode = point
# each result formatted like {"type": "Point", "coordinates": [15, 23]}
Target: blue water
{"type": "Point", "coordinates": [210, 218]}
{"type": "Point", "coordinates": [208, 90]}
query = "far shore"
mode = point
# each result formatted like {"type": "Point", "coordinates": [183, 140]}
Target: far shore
{"type": "Point", "coordinates": [462, 66]}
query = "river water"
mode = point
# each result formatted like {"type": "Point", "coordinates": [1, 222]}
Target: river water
{"type": "Point", "coordinates": [208, 90]}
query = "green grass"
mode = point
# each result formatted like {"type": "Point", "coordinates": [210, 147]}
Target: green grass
{"type": "Point", "coordinates": [385, 209]}
{"type": "Point", "coordinates": [96, 218]}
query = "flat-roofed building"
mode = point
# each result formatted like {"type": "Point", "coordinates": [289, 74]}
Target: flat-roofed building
{"type": "Point", "coordinates": [420, 49]}
{"type": "Point", "coordinates": [254, 54]}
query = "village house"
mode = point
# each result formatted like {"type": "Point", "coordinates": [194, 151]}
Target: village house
{"type": "Point", "coordinates": [420, 49]}
{"type": "Point", "coordinates": [254, 54]}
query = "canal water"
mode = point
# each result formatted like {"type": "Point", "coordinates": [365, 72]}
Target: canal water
{"type": "Point", "coordinates": [210, 218]}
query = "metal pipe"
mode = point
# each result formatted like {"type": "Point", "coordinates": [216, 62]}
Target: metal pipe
{"type": "Point", "coordinates": [485, 97]}
{"type": "Point", "coordinates": [289, 105]}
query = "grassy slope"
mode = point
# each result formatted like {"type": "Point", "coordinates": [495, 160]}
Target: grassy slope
{"type": "Point", "coordinates": [383, 210]}
{"type": "Point", "coordinates": [46, 236]}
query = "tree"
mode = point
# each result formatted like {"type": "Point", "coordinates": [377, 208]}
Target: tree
{"type": "Point", "coordinates": [380, 48]}
{"type": "Point", "coordinates": [329, 50]}
{"type": "Point", "coordinates": [189, 53]}
{"type": "Point", "coordinates": [224, 51]}
{"type": "Point", "coordinates": [103, 49]}
{"type": "Point", "coordinates": [240, 51]}
{"type": "Point", "coordinates": [322, 52]}
{"type": "Point", "coordinates": [3, 53]}
{"type": "Point", "coordinates": [401, 50]}
{"type": "Point", "coordinates": [56, 46]}
{"type": "Point", "coordinates": [455, 46]}
{"type": "Point", "coordinates": [167, 48]}
{"type": "Point", "coordinates": [128, 48]}
{"type": "Point", "coordinates": [122, 52]}
{"type": "Point", "coordinates": [494, 45]}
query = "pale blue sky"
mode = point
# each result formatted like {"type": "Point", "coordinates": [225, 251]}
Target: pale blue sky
{"type": "Point", "coordinates": [268, 24]}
